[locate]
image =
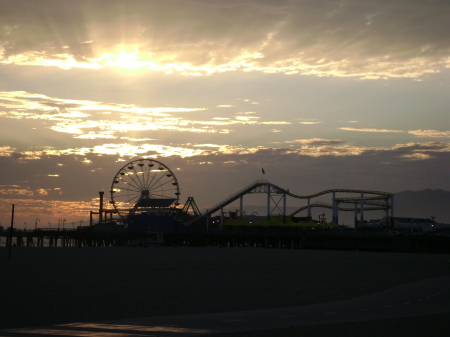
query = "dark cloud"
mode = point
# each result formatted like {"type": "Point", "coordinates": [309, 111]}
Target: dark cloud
{"type": "Point", "coordinates": [211, 178]}
{"type": "Point", "coordinates": [320, 142]}
{"type": "Point", "coordinates": [373, 38]}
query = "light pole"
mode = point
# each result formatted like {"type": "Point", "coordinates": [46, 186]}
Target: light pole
{"type": "Point", "coordinates": [63, 223]}
{"type": "Point", "coordinates": [35, 223]}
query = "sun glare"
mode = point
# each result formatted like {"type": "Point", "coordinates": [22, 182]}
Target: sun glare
{"type": "Point", "coordinates": [125, 61]}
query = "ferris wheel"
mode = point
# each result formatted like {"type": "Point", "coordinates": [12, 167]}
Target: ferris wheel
{"type": "Point", "coordinates": [143, 185]}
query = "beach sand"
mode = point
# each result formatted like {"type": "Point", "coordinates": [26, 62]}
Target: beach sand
{"type": "Point", "coordinates": [45, 286]}
{"type": "Point", "coordinates": [422, 326]}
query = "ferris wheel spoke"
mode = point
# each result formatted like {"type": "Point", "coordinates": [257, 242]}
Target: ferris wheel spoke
{"type": "Point", "coordinates": [151, 181]}
{"type": "Point", "coordinates": [129, 189]}
{"type": "Point", "coordinates": [134, 181]}
{"type": "Point", "coordinates": [126, 183]}
{"type": "Point", "coordinates": [138, 178]}
{"type": "Point", "coordinates": [157, 181]}
{"type": "Point", "coordinates": [130, 176]}
{"type": "Point", "coordinates": [136, 188]}
{"type": "Point", "coordinates": [133, 198]}
{"type": "Point", "coordinates": [146, 178]}
{"type": "Point", "coordinates": [162, 184]}
{"type": "Point", "coordinates": [128, 195]}
{"type": "Point", "coordinates": [126, 192]}
{"type": "Point", "coordinates": [148, 175]}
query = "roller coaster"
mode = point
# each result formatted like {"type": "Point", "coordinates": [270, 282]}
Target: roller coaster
{"type": "Point", "coordinates": [276, 201]}
{"type": "Point", "coordinates": [148, 187]}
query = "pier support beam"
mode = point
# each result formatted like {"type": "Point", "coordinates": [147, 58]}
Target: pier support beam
{"type": "Point", "coordinates": [241, 206]}
{"type": "Point", "coordinates": [309, 208]}
{"type": "Point", "coordinates": [362, 209]}
{"type": "Point", "coordinates": [334, 207]}
{"type": "Point", "coordinates": [100, 210]}
{"type": "Point", "coordinates": [392, 211]}
{"type": "Point", "coordinates": [337, 214]}
{"type": "Point", "coordinates": [388, 222]}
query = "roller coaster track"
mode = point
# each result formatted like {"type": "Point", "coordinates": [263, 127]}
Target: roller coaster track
{"type": "Point", "coordinates": [353, 200]}
{"type": "Point", "coordinates": [387, 194]}
{"type": "Point", "coordinates": [339, 208]}
{"type": "Point", "coordinates": [256, 186]}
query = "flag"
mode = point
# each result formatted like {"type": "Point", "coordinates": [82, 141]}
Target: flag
{"type": "Point", "coordinates": [263, 172]}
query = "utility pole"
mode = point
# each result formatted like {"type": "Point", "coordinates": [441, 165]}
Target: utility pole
{"type": "Point", "coordinates": [11, 232]}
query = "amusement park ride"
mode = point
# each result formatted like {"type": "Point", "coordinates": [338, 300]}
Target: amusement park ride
{"type": "Point", "coordinates": [144, 186]}
{"type": "Point", "coordinates": [146, 192]}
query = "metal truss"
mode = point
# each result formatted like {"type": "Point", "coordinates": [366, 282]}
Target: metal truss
{"type": "Point", "coordinates": [276, 196]}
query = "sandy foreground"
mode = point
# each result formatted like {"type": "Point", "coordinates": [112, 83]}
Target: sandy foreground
{"type": "Point", "coordinates": [45, 286]}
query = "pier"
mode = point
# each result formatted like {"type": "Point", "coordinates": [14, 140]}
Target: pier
{"type": "Point", "coordinates": [271, 239]}
{"type": "Point", "coordinates": [66, 238]}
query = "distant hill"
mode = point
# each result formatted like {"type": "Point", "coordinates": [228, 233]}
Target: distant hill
{"type": "Point", "coordinates": [414, 204]}
{"type": "Point", "coordinates": [423, 204]}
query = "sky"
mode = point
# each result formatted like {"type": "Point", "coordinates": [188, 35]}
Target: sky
{"type": "Point", "coordinates": [322, 94]}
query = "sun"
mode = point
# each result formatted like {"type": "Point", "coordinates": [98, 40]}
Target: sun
{"type": "Point", "coordinates": [126, 61]}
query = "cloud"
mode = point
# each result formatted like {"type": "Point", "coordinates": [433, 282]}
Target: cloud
{"type": "Point", "coordinates": [247, 119]}
{"type": "Point", "coordinates": [75, 192]}
{"type": "Point", "coordinates": [96, 120]}
{"type": "Point", "coordinates": [317, 147]}
{"type": "Point", "coordinates": [6, 150]}
{"type": "Point", "coordinates": [324, 38]}
{"type": "Point", "coordinates": [207, 145]}
{"type": "Point", "coordinates": [93, 135]}
{"type": "Point", "coordinates": [421, 150]}
{"type": "Point", "coordinates": [430, 133]}
{"type": "Point", "coordinates": [50, 211]}
{"type": "Point", "coordinates": [276, 123]}
{"type": "Point", "coordinates": [137, 139]}
{"type": "Point", "coordinates": [371, 130]}
{"type": "Point", "coordinates": [16, 191]}
{"type": "Point", "coordinates": [91, 120]}
{"type": "Point", "coordinates": [314, 147]}
{"type": "Point", "coordinates": [309, 121]}
{"type": "Point", "coordinates": [42, 191]}
{"type": "Point", "coordinates": [125, 150]}
{"type": "Point", "coordinates": [246, 113]}
{"type": "Point", "coordinates": [319, 141]}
